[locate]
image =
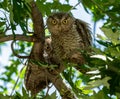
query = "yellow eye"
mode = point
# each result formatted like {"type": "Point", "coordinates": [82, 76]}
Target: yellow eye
{"type": "Point", "coordinates": [64, 21]}
{"type": "Point", "coordinates": [54, 22]}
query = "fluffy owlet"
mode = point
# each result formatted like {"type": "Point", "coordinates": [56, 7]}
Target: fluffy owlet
{"type": "Point", "coordinates": [69, 37]}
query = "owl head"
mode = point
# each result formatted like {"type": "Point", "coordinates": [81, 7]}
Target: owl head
{"type": "Point", "coordinates": [59, 23]}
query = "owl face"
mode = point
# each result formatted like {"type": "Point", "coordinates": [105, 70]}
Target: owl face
{"type": "Point", "coordinates": [59, 23]}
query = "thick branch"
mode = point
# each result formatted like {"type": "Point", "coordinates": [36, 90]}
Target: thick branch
{"type": "Point", "coordinates": [38, 24]}
{"type": "Point", "coordinates": [35, 76]}
{"type": "Point", "coordinates": [16, 37]}
{"type": "Point", "coordinates": [39, 33]}
{"type": "Point", "coordinates": [65, 92]}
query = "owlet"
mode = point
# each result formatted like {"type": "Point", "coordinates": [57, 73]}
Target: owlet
{"type": "Point", "coordinates": [69, 37]}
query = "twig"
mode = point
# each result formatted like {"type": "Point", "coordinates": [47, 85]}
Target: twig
{"type": "Point", "coordinates": [17, 80]}
{"type": "Point", "coordinates": [74, 6]}
{"type": "Point", "coordinates": [48, 86]}
{"type": "Point", "coordinates": [17, 55]}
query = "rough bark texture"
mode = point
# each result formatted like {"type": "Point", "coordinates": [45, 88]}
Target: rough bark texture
{"type": "Point", "coordinates": [38, 77]}
{"type": "Point", "coordinates": [35, 76]}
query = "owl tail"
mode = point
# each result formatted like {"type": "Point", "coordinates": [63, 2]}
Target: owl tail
{"type": "Point", "coordinates": [35, 79]}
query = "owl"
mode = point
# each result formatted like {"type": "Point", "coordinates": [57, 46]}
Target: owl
{"type": "Point", "coordinates": [70, 36]}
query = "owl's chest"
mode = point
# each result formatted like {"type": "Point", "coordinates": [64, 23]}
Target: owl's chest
{"type": "Point", "coordinates": [65, 44]}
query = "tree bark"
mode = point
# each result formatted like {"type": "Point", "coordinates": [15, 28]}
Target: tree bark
{"type": "Point", "coordinates": [35, 75]}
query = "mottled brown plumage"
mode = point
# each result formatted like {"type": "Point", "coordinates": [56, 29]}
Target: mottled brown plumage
{"type": "Point", "coordinates": [68, 36]}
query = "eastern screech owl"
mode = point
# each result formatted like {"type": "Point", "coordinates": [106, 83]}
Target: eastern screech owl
{"type": "Point", "coordinates": [69, 35]}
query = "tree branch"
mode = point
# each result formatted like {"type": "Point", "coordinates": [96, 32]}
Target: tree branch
{"type": "Point", "coordinates": [39, 33]}
{"type": "Point", "coordinates": [35, 78]}
{"type": "Point", "coordinates": [65, 92]}
{"type": "Point", "coordinates": [16, 37]}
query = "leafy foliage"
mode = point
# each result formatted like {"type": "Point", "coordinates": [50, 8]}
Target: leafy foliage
{"type": "Point", "coordinates": [102, 79]}
{"type": "Point", "coordinates": [106, 10]}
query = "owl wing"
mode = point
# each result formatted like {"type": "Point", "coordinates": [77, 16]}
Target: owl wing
{"type": "Point", "coordinates": [84, 32]}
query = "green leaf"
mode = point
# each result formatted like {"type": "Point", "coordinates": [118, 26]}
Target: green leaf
{"type": "Point", "coordinates": [2, 23]}
{"type": "Point", "coordinates": [112, 36]}
{"type": "Point", "coordinates": [4, 4]}
{"type": "Point", "coordinates": [47, 33]}
{"type": "Point", "coordinates": [24, 92]}
{"type": "Point", "coordinates": [100, 95]}
{"type": "Point", "coordinates": [28, 1]}
{"type": "Point", "coordinates": [97, 50]}
{"type": "Point", "coordinates": [113, 51]}
{"type": "Point", "coordinates": [97, 83]}
{"type": "Point", "coordinates": [11, 13]}
{"type": "Point", "coordinates": [118, 95]}
{"type": "Point", "coordinates": [2, 31]}
{"type": "Point", "coordinates": [52, 96]}
{"type": "Point", "coordinates": [4, 97]}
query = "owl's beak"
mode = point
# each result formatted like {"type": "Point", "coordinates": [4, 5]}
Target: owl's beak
{"type": "Point", "coordinates": [59, 28]}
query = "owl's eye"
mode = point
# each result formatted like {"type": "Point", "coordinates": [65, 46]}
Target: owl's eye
{"type": "Point", "coordinates": [54, 22]}
{"type": "Point", "coordinates": [64, 21]}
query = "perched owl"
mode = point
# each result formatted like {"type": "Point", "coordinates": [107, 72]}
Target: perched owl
{"type": "Point", "coordinates": [69, 37]}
